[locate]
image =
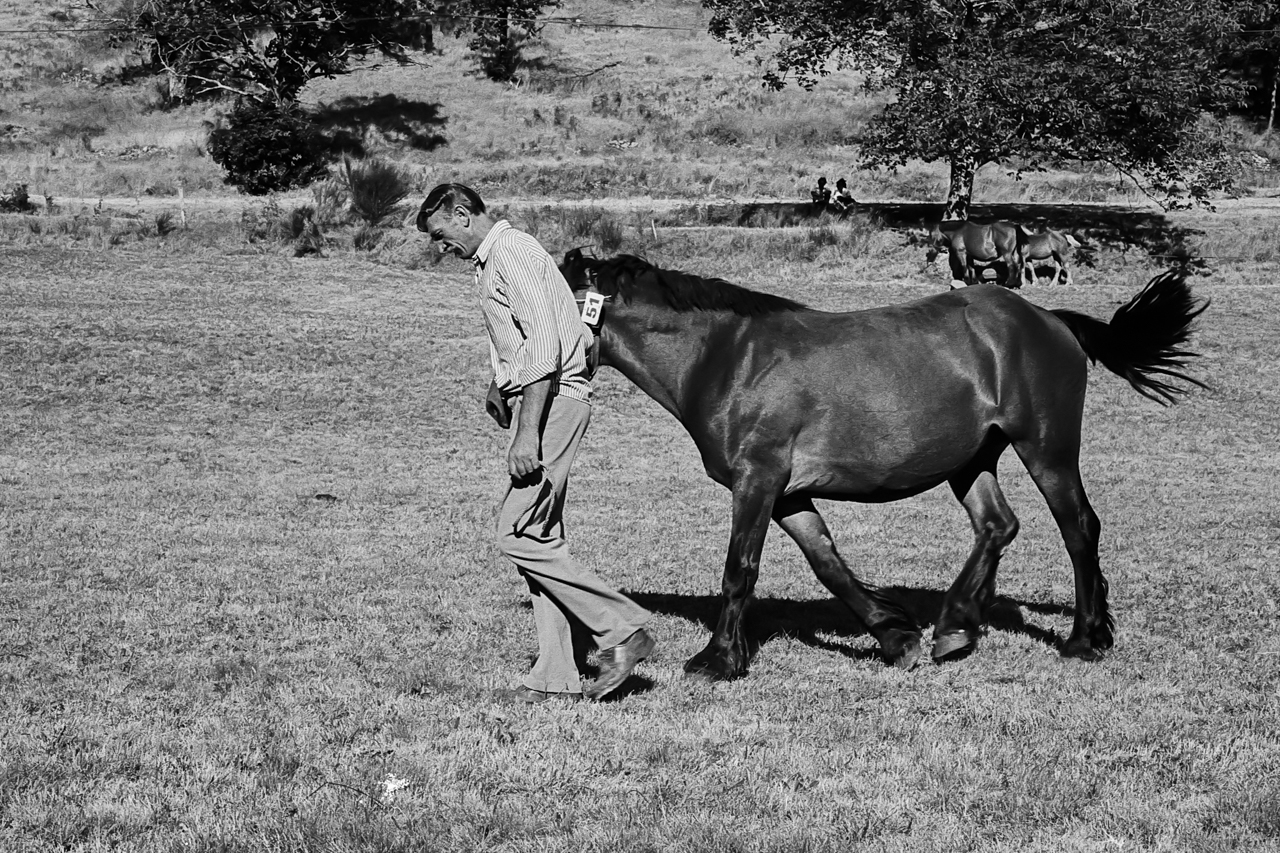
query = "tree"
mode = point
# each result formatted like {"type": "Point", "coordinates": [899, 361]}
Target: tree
{"type": "Point", "coordinates": [267, 50]}
{"type": "Point", "coordinates": [1127, 82]}
{"type": "Point", "coordinates": [499, 29]}
{"type": "Point", "coordinates": [266, 147]}
{"type": "Point", "coordinates": [1255, 60]}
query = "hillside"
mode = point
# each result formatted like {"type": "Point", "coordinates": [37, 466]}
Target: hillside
{"type": "Point", "coordinates": [632, 100]}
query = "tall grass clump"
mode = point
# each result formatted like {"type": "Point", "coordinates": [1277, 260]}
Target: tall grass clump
{"type": "Point", "coordinates": [375, 187]}
{"type": "Point", "coordinates": [273, 224]}
{"type": "Point", "coordinates": [331, 201]}
{"type": "Point", "coordinates": [577, 226]}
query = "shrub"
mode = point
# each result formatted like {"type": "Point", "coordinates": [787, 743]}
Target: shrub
{"type": "Point", "coordinates": [610, 233]}
{"type": "Point", "coordinates": [375, 187]}
{"type": "Point", "coordinates": [367, 237]}
{"type": "Point", "coordinates": [266, 148]}
{"type": "Point", "coordinates": [16, 201]}
{"type": "Point", "coordinates": [262, 225]}
{"type": "Point", "coordinates": [331, 201]}
{"type": "Point", "coordinates": [165, 224]}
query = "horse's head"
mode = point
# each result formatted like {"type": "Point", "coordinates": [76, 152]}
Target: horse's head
{"type": "Point", "coordinates": [612, 277]}
{"type": "Point", "coordinates": [578, 270]}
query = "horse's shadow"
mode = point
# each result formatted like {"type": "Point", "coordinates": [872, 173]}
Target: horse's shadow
{"type": "Point", "coordinates": [816, 622]}
{"type": "Point", "coordinates": [344, 125]}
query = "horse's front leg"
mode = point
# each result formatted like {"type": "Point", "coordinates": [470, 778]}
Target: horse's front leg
{"type": "Point", "coordinates": [727, 655]}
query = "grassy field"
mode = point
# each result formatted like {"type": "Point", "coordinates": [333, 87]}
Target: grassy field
{"type": "Point", "coordinates": [249, 600]}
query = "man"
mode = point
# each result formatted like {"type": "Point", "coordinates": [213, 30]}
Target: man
{"type": "Point", "coordinates": [538, 349]}
{"type": "Point", "coordinates": [821, 195]}
{"type": "Point", "coordinates": [843, 200]}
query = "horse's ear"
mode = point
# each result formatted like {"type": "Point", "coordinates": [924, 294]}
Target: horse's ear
{"type": "Point", "coordinates": [571, 267]}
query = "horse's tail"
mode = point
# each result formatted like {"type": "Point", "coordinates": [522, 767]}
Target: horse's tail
{"type": "Point", "coordinates": [1143, 342]}
{"type": "Point", "coordinates": [1071, 240]}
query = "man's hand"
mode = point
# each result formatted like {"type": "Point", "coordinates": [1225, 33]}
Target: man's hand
{"type": "Point", "coordinates": [497, 407]}
{"type": "Point", "coordinates": [524, 458]}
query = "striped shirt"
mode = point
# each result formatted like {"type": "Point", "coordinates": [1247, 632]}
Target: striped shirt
{"type": "Point", "coordinates": [535, 329]}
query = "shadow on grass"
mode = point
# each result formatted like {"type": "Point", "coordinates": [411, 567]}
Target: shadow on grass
{"type": "Point", "coordinates": [1097, 226]}
{"type": "Point", "coordinates": [813, 622]}
{"type": "Point", "coordinates": [344, 124]}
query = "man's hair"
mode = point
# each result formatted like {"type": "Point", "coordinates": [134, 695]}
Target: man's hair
{"type": "Point", "coordinates": [449, 195]}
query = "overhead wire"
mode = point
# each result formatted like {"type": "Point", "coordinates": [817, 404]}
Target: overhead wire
{"type": "Point", "coordinates": [302, 22]}
{"type": "Point", "coordinates": [545, 21]}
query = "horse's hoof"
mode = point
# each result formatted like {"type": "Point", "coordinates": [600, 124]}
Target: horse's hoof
{"type": "Point", "coordinates": [704, 667]}
{"type": "Point", "coordinates": [902, 649]}
{"type": "Point", "coordinates": [707, 674]}
{"type": "Point", "coordinates": [954, 646]}
{"type": "Point", "coordinates": [1082, 650]}
{"type": "Point", "coordinates": [702, 675]}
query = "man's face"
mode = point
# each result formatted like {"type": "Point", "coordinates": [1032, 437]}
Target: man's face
{"type": "Point", "coordinates": [451, 230]}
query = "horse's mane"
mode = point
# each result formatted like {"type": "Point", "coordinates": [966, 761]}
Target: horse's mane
{"type": "Point", "coordinates": [682, 291]}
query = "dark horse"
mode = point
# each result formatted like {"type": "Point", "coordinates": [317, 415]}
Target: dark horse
{"type": "Point", "coordinates": [787, 404]}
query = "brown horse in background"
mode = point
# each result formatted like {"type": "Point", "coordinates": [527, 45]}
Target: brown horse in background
{"type": "Point", "coordinates": [973, 247]}
{"type": "Point", "coordinates": [787, 404]}
{"type": "Point", "coordinates": [1052, 246]}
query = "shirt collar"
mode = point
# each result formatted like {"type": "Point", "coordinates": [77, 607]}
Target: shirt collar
{"type": "Point", "coordinates": [485, 248]}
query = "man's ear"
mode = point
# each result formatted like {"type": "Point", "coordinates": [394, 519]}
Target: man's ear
{"type": "Point", "coordinates": [462, 216]}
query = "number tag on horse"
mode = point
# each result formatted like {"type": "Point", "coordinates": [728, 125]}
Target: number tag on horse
{"type": "Point", "coordinates": [592, 306]}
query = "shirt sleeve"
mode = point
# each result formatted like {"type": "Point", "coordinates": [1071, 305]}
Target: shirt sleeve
{"type": "Point", "coordinates": [529, 290]}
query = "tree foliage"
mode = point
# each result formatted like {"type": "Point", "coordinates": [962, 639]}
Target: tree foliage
{"type": "Point", "coordinates": [266, 148]}
{"type": "Point", "coordinates": [267, 50]}
{"type": "Point", "coordinates": [1128, 82]}
{"type": "Point", "coordinates": [1255, 60]}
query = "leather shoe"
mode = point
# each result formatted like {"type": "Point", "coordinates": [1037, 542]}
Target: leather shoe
{"type": "Point", "coordinates": [529, 696]}
{"type": "Point", "coordinates": [616, 663]}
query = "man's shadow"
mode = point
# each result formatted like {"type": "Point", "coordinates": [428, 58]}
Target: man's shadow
{"type": "Point", "coordinates": [815, 623]}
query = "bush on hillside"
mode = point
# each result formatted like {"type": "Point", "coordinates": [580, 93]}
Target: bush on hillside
{"type": "Point", "coordinates": [375, 187]}
{"type": "Point", "coordinates": [266, 148]}
{"type": "Point", "coordinates": [17, 201]}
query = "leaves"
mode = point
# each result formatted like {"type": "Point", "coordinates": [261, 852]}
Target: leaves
{"type": "Point", "coordinates": [267, 51]}
{"type": "Point", "coordinates": [985, 81]}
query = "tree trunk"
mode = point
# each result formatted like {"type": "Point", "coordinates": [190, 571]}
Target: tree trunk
{"type": "Point", "coordinates": [960, 192]}
{"type": "Point", "coordinates": [1271, 114]}
{"type": "Point", "coordinates": [177, 88]}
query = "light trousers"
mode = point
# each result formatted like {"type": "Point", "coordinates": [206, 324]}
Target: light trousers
{"type": "Point", "coordinates": [531, 532]}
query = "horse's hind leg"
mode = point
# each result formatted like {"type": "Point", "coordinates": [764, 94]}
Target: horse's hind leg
{"type": "Point", "coordinates": [964, 609]}
{"type": "Point", "coordinates": [959, 262]}
{"type": "Point", "coordinates": [1063, 271]}
{"type": "Point", "coordinates": [1057, 475]}
{"type": "Point", "coordinates": [894, 629]}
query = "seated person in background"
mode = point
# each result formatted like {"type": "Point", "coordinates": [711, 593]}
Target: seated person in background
{"type": "Point", "coordinates": [844, 199]}
{"type": "Point", "coordinates": [820, 194]}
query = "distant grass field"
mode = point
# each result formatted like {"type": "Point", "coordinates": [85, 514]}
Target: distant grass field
{"type": "Point", "coordinates": [249, 601]}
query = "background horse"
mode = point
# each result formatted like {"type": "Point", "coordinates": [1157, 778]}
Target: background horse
{"type": "Point", "coordinates": [787, 404]}
{"type": "Point", "coordinates": [1052, 246]}
{"type": "Point", "coordinates": [972, 248]}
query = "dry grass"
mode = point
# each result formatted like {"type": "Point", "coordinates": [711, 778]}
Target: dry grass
{"type": "Point", "coordinates": [200, 651]}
